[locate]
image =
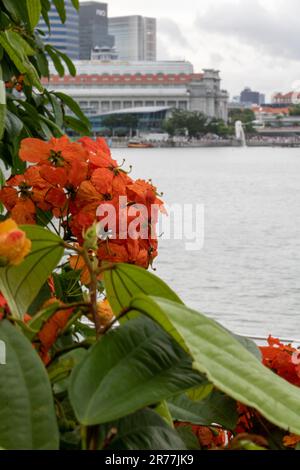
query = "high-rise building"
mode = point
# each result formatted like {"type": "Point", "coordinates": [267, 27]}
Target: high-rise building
{"type": "Point", "coordinates": [65, 37]}
{"type": "Point", "coordinates": [93, 28]}
{"type": "Point", "coordinates": [135, 37]}
{"type": "Point", "coordinates": [249, 97]}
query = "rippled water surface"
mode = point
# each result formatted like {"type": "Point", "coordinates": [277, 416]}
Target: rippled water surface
{"type": "Point", "coordinates": [247, 276]}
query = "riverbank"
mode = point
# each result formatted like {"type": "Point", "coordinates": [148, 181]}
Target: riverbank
{"type": "Point", "coordinates": [217, 144]}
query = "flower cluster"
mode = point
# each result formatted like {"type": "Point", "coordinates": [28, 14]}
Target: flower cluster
{"type": "Point", "coordinates": [16, 82]}
{"type": "Point", "coordinates": [71, 181]}
{"type": "Point", "coordinates": [280, 358]}
{"type": "Point", "coordinates": [14, 245]}
{"type": "Point", "coordinates": [209, 438]}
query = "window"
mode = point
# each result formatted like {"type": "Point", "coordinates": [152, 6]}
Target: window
{"type": "Point", "coordinates": [105, 106]}
{"type": "Point", "coordinates": [94, 105]}
{"type": "Point", "coordinates": [127, 104]}
{"type": "Point", "coordinates": [182, 105]}
{"type": "Point", "coordinates": [116, 105]}
{"type": "Point", "coordinates": [149, 103]}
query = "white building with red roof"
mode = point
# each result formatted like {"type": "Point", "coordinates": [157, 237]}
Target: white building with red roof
{"type": "Point", "coordinates": [103, 87]}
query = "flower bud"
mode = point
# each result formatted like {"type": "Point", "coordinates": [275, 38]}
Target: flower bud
{"type": "Point", "coordinates": [14, 245]}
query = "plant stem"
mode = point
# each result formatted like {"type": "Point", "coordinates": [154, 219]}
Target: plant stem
{"type": "Point", "coordinates": [93, 290]}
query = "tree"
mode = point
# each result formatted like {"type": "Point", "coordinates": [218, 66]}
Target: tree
{"type": "Point", "coordinates": [181, 121]}
{"type": "Point", "coordinates": [218, 127]}
{"type": "Point", "coordinates": [29, 110]}
{"type": "Point", "coordinates": [129, 122]}
{"type": "Point", "coordinates": [246, 116]}
{"type": "Point", "coordinates": [128, 371]}
{"type": "Point", "coordinates": [294, 110]}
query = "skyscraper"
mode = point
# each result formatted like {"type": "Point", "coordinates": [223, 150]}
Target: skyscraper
{"type": "Point", "coordinates": [64, 37]}
{"type": "Point", "coordinates": [249, 96]}
{"type": "Point", "coordinates": [135, 37]}
{"type": "Point", "coordinates": [93, 28]}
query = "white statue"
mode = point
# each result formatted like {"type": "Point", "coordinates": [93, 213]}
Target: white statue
{"type": "Point", "coordinates": [239, 133]}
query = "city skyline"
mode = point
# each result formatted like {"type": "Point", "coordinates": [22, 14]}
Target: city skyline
{"type": "Point", "coordinates": [252, 42]}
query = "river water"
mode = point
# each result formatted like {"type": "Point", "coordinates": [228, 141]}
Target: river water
{"type": "Point", "coordinates": [247, 275]}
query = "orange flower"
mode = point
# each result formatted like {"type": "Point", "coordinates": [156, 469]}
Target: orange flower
{"type": "Point", "coordinates": [4, 309]}
{"type": "Point", "coordinates": [77, 263]}
{"type": "Point", "coordinates": [278, 357]}
{"type": "Point", "coordinates": [71, 180]}
{"type": "Point", "coordinates": [291, 440]}
{"type": "Point", "coordinates": [14, 245]}
{"type": "Point", "coordinates": [56, 151]}
{"type": "Point", "coordinates": [104, 312]}
{"type": "Point", "coordinates": [23, 212]}
{"type": "Point", "coordinates": [51, 330]}
{"type": "Point", "coordinates": [102, 179]}
{"type": "Point", "coordinates": [97, 147]}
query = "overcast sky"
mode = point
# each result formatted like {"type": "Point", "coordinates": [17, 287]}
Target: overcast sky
{"type": "Point", "coordinates": [254, 43]}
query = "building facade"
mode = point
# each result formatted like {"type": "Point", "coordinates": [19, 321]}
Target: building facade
{"type": "Point", "coordinates": [121, 67]}
{"type": "Point", "coordinates": [99, 93]}
{"type": "Point", "coordinates": [65, 37]}
{"type": "Point", "coordinates": [93, 28]}
{"type": "Point", "coordinates": [291, 98]}
{"type": "Point", "coordinates": [249, 97]}
{"type": "Point", "coordinates": [135, 37]}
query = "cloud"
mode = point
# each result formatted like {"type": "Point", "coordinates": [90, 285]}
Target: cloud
{"type": "Point", "coordinates": [171, 31]}
{"type": "Point", "coordinates": [272, 31]}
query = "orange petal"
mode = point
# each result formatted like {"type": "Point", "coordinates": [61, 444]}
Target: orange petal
{"type": "Point", "coordinates": [34, 150]}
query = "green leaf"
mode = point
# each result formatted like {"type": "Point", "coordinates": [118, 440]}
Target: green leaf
{"type": "Point", "coordinates": [19, 43]}
{"type": "Point", "coordinates": [45, 10]}
{"type": "Point", "coordinates": [143, 365]}
{"type": "Point", "coordinates": [75, 4]}
{"type": "Point", "coordinates": [163, 410]}
{"type": "Point", "coordinates": [56, 60]}
{"type": "Point", "coordinates": [13, 124]}
{"type": "Point", "coordinates": [42, 64]}
{"type": "Point", "coordinates": [77, 125]}
{"type": "Point", "coordinates": [145, 305]}
{"type": "Point", "coordinates": [73, 106]}
{"type": "Point", "coordinates": [40, 319]}
{"type": "Point", "coordinates": [13, 54]}
{"type": "Point", "coordinates": [67, 60]}
{"type": "Point", "coordinates": [21, 284]}
{"type": "Point", "coordinates": [248, 344]}
{"type": "Point", "coordinates": [17, 54]}
{"type": "Point", "coordinates": [2, 104]}
{"type": "Point", "coordinates": [188, 437]}
{"type": "Point", "coordinates": [61, 9]}
{"type": "Point", "coordinates": [13, 10]}
{"type": "Point", "coordinates": [245, 444]}
{"type": "Point", "coordinates": [50, 124]}
{"type": "Point", "coordinates": [59, 371]}
{"type": "Point", "coordinates": [145, 430]}
{"type": "Point", "coordinates": [230, 367]}
{"type": "Point", "coordinates": [27, 416]}
{"type": "Point", "coordinates": [34, 9]}
{"type": "Point", "coordinates": [57, 109]}
{"type": "Point", "coordinates": [124, 281]}
{"type": "Point", "coordinates": [201, 392]}
{"type": "Point", "coordinates": [217, 408]}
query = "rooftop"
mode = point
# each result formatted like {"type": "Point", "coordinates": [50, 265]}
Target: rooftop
{"type": "Point", "coordinates": [116, 79]}
{"type": "Point", "coordinates": [137, 110]}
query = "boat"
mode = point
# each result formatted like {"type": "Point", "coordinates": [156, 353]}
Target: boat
{"type": "Point", "coordinates": [139, 144]}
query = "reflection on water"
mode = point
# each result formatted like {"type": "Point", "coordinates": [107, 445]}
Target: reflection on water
{"type": "Point", "coordinates": [247, 276]}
